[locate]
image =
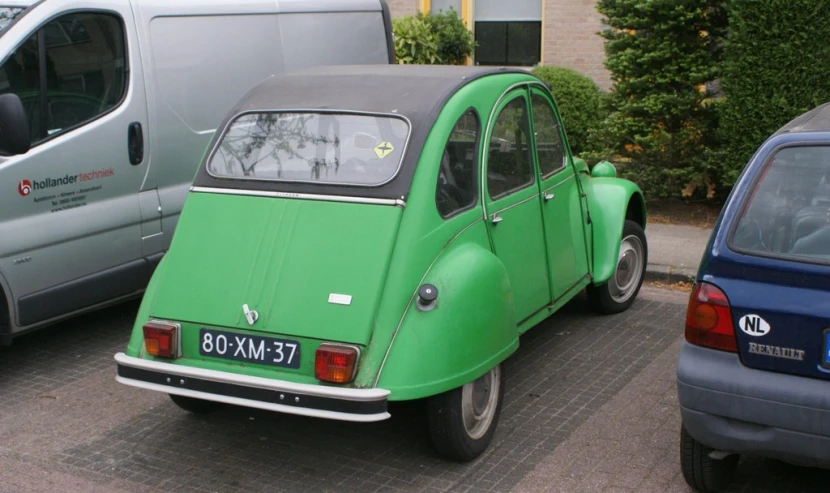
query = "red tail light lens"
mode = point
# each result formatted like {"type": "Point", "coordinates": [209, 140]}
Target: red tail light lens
{"type": "Point", "coordinates": [709, 319]}
{"type": "Point", "coordinates": [161, 339]}
{"type": "Point", "coordinates": [334, 363]}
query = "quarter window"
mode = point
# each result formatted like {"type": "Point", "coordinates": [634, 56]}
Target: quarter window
{"type": "Point", "coordinates": [509, 161]}
{"type": "Point", "coordinates": [68, 73]}
{"type": "Point", "coordinates": [549, 146]}
{"type": "Point", "coordinates": [456, 190]}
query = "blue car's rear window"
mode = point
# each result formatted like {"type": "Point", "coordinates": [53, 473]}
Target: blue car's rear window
{"type": "Point", "coordinates": [788, 211]}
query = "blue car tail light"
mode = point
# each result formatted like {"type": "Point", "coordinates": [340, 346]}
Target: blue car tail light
{"type": "Point", "coordinates": [709, 319]}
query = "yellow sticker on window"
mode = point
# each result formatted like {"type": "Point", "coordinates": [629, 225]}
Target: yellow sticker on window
{"type": "Point", "coordinates": [383, 149]}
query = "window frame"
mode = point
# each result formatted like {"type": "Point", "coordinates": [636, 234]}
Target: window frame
{"type": "Point", "coordinates": [42, 68]}
{"type": "Point", "coordinates": [476, 166]}
{"type": "Point", "coordinates": [521, 92]}
{"type": "Point", "coordinates": [747, 198]}
{"type": "Point", "coordinates": [219, 136]}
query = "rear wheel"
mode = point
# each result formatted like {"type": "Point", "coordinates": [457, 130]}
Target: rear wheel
{"type": "Point", "coordinates": [462, 421]}
{"type": "Point", "coordinates": [701, 471]}
{"type": "Point", "coordinates": [195, 406]}
{"type": "Point", "coordinates": [618, 293]}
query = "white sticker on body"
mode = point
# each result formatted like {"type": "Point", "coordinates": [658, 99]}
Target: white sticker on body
{"type": "Point", "coordinates": [340, 299]}
{"type": "Point", "coordinates": [754, 325]}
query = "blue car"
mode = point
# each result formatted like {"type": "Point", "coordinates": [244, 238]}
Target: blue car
{"type": "Point", "coordinates": [753, 375]}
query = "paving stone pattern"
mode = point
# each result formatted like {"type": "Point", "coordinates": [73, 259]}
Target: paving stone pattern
{"type": "Point", "coordinates": [590, 405]}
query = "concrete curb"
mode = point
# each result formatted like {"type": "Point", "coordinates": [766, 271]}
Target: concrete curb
{"type": "Point", "coordinates": [669, 274]}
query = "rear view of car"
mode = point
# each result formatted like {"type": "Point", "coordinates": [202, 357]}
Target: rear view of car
{"type": "Point", "coordinates": [753, 376]}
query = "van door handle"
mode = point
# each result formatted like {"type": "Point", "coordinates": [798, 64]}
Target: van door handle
{"type": "Point", "coordinates": [495, 219]}
{"type": "Point", "coordinates": [135, 143]}
{"type": "Point", "coordinates": [549, 196]}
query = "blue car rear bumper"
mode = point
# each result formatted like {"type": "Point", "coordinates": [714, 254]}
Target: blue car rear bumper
{"type": "Point", "coordinates": [732, 408]}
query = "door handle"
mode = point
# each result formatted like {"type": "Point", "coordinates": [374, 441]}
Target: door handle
{"type": "Point", "coordinates": [135, 143]}
{"type": "Point", "coordinates": [549, 196]}
{"type": "Point", "coordinates": [495, 218]}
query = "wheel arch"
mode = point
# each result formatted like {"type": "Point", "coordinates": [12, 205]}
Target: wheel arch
{"type": "Point", "coordinates": [612, 202]}
{"type": "Point", "coordinates": [471, 328]}
{"type": "Point", "coordinates": [5, 314]}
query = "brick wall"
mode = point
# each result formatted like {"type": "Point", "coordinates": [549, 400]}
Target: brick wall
{"type": "Point", "coordinates": [402, 7]}
{"type": "Point", "coordinates": [570, 35]}
{"type": "Point", "coordinates": [571, 41]}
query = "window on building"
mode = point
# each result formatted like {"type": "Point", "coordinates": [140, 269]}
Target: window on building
{"type": "Point", "coordinates": [445, 5]}
{"type": "Point", "coordinates": [508, 33]}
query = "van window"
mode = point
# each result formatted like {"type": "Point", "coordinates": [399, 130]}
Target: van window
{"type": "Point", "coordinates": [786, 214]}
{"type": "Point", "coordinates": [344, 149]}
{"type": "Point", "coordinates": [456, 190]}
{"type": "Point", "coordinates": [84, 69]}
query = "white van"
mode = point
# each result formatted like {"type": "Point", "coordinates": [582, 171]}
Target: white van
{"type": "Point", "coordinates": [107, 107]}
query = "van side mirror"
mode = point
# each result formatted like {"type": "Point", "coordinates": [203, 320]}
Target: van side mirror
{"type": "Point", "coordinates": [14, 126]}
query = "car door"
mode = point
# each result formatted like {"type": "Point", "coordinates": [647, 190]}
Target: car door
{"type": "Point", "coordinates": [561, 199]}
{"type": "Point", "coordinates": [512, 205]}
{"type": "Point", "coordinates": [70, 218]}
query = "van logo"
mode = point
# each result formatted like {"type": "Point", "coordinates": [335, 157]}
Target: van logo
{"type": "Point", "coordinates": [250, 315]}
{"type": "Point", "coordinates": [24, 188]}
{"type": "Point", "coordinates": [754, 325]}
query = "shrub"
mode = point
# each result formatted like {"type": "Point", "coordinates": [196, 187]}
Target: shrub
{"type": "Point", "coordinates": [432, 38]}
{"type": "Point", "coordinates": [662, 54]}
{"type": "Point", "coordinates": [777, 66]}
{"type": "Point", "coordinates": [580, 103]}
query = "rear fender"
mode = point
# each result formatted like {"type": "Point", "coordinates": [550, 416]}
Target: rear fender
{"type": "Point", "coordinates": [611, 202]}
{"type": "Point", "coordinates": [470, 329]}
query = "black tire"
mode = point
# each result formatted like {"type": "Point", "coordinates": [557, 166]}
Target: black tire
{"type": "Point", "coordinates": [195, 406]}
{"type": "Point", "coordinates": [700, 471]}
{"type": "Point", "coordinates": [605, 297]}
{"type": "Point", "coordinates": [447, 429]}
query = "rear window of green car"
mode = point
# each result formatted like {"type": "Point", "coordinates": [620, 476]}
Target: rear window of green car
{"type": "Point", "coordinates": [330, 148]}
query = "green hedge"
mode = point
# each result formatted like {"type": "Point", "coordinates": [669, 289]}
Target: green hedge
{"type": "Point", "coordinates": [777, 66]}
{"type": "Point", "coordinates": [662, 54]}
{"type": "Point", "coordinates": [434, 38]}
{"type": "Point", "coordinates": [580, 103]}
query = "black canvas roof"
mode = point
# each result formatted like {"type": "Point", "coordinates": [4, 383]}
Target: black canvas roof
{"type": "Point", "coordinates": [417, 92]}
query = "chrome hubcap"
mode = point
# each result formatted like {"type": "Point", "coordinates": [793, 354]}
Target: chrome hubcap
{"type": "Point", "coordinates": [479, 400]}
{"type": "Point", "coordinates": [629, 269]}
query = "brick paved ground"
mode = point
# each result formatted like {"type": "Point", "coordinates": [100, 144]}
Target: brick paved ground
{"type": "Point", "coordinates": [590, 406]}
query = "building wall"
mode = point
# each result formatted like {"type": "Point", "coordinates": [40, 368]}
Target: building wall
{"type": "Point", "coordinates": [571, 40]}
{"type": "Point", "coordinates": [570, 37]}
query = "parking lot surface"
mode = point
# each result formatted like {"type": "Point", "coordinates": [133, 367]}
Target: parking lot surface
{"type": "Point", "coordinates": [590, 406]}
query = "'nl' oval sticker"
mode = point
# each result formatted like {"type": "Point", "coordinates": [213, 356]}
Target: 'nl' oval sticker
{"type": "Point", "coordinates": [754, 325]}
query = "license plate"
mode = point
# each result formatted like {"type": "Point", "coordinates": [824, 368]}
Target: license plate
{"type": "Point", "coordinates": [250, 349]}
{"type": "Point", "coordinates": [827, 348]}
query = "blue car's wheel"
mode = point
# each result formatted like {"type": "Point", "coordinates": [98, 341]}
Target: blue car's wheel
{"type": "Point", "coordinates": [700, 470]}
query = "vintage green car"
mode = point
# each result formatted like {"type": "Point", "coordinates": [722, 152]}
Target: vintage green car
{"type": "Point", "coordinates": [359, 235]}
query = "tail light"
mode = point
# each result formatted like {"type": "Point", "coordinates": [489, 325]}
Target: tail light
{"type": "Point", "coordinates": [709, 319]}
{"type": "Point", "coordinates": [161, 339]}
{"type": "Point", "coordinates": [335, 363]}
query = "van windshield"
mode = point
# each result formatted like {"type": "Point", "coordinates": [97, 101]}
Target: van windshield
{"type": "Point", "coordinates": [329, 148]}
{"type": "Point", "coordinates": [8, 15]}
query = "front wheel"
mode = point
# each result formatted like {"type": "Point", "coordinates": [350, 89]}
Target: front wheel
{"type": "Point", "coordinates": [462, 421]}
{"type": "Point", "coordinates": [618, 293]}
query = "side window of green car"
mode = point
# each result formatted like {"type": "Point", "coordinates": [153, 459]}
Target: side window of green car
{"type": "Point", "coordinates": [456, 190]}
{"type": "Point", "coordinates": [510, 161]}
{"type": "Point", "coordinates": [549, 146]}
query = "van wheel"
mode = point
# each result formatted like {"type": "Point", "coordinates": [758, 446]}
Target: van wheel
{"type": "Point", "coordinates": [462, 421]}
{"type": "Point", "coordinates": [195, 406]}
{"type": "Point", "coordinates": [618, 293]}
{"type": "Point", "coordinates": [700, 471]}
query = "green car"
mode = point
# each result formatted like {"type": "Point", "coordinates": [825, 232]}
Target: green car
{"type": "Point", "coordinates": [359, 235]}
